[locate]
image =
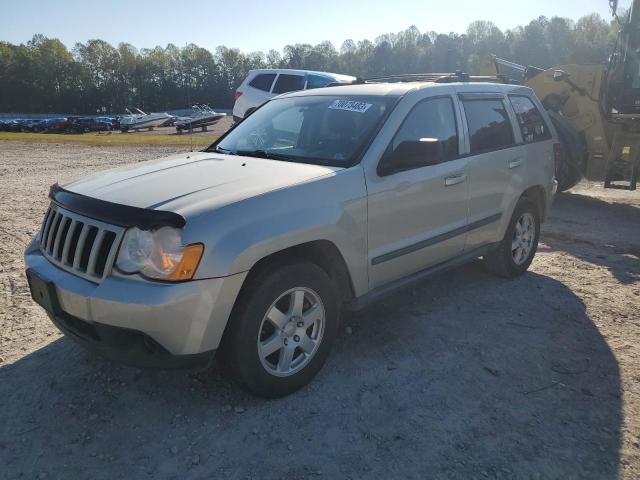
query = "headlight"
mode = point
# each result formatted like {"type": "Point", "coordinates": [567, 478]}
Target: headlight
{"type": "Point", "coordinates": [158, 254]}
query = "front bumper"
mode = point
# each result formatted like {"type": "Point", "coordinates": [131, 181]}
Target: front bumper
{"type": "Point", "coordinates": [124, 345]}
{"type": "Point", "coordinates": [126, 315]}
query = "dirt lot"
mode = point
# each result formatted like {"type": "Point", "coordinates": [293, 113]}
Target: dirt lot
{"type": "Point", "coordinates": [464, 376]}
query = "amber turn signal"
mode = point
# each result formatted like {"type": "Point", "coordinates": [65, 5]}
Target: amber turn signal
{"type": "Point", "coordinates": [187, 266]}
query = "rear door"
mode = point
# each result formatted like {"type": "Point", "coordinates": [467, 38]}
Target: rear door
{"type": "Point", "coordinates": [496, 167]}
{"type": "Point", "coordinates": [417, 218]}
{"type": "Point", "coordinates": [537, 139]}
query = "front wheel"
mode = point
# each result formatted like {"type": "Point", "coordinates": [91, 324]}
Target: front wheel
{"type": "Point", "coordinates": [282, 329]}
{"type": "Point", "coordinates": [515, 252]}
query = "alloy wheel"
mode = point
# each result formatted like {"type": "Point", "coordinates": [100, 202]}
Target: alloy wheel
{"type": "Point", "coordinates": [523, 238]}
{"type": "Point", "coordinates": [291, 332]}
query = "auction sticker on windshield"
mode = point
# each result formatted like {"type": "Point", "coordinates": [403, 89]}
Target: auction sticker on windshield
{"type": "Point", "coordinates": [350, 106]}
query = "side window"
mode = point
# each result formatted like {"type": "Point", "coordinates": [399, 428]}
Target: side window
{"type": "Point", "coordinates": [263, 81]}
{"type": "Point", "coordinates": [489, 125]}
{"type": "Point", "coordinates": [316, 81]}
{"type": "Point", "coordinates": [531, 123]}
{"type": "Point", "coordinates": [434, 119]}
{"type": "Point", "coordinates": [288, 83]}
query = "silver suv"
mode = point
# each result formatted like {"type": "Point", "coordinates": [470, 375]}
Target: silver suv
{"type": "Point", "coordinates": [320, 200]}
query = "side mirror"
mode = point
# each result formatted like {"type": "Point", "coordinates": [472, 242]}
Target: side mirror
{"type": "Point", "coordinates": [412, 154]}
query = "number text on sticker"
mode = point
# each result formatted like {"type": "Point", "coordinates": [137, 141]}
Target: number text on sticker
{"type": "Point", "coordinates": [350, 106]}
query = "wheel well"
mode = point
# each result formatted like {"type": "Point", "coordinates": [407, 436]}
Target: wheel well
{"type": "Point", "coordinates": [536, 195]}
{"type": "Point", "coordinates": [319, 252]}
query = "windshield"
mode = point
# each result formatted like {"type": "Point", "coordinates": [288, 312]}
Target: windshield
{"type": "Point", "coordinates": [325, 130]}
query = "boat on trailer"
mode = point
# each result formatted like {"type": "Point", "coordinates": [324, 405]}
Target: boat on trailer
{"type": "Point", "coordinates": [202, 116]}
{"type": "Point", "coordinates": [139, 120]}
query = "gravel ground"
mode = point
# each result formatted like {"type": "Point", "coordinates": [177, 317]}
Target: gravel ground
{"type": "Point", "coordinates": [463, 376]}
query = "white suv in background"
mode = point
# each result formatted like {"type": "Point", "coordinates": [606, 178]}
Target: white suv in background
{"type": "Point", "coordinates": [262, 85]}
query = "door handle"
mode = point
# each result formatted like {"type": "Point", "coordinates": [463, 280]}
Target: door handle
{"type": "Point", "coordinates": [454, 180]}
{"type": "Point", "coordinates": [515, 163]}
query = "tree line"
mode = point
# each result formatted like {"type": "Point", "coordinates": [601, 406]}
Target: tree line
{"type": "Point", "coordinates": [43, 75]}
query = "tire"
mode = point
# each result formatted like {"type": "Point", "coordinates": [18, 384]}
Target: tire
{"type": "Point", "coordinates": [252, 332]}
{"type": "Point", "coordinates": [572, 165]}
{"type": "Point", "coordinates": [506, 262]}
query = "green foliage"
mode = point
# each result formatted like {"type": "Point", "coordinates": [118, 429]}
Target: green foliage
{"type": "Point", "coordinates": [43, 76]}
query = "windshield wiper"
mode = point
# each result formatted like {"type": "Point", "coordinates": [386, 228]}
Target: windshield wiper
{"type": "Point", "coordinates": [224, 150]}
{"type": "Point", "coordinates": [263, 154]}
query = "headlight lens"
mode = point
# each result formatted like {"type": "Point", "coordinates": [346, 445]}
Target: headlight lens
{"type": "Point", "coordinates": [158, 254]}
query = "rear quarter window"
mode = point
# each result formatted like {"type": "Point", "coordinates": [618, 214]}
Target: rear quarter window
{"type": "Point", "coordinates": [489, 125]}
{"type": "Point", "coordinates": [317, 81]}
{"type": "Point", "coordinates": [532, 125]}
{"type": "Point", "coordinates": [263, 81]}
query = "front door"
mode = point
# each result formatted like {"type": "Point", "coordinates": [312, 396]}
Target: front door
{"type": "Point", "coordinates": [417, 217]}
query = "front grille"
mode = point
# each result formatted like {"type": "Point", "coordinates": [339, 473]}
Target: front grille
{"type": "Point", "coordinates": [80, 245]}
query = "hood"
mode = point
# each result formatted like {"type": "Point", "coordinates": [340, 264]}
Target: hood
{"type": "Point", "coordinates": [183, 182]}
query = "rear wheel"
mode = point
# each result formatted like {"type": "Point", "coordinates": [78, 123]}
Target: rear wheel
{"type": "Point", "coordinates": [515, 252]}
{"type": "Point", "coordinates": [572, 163]}
{"type": "Point", "coordinates": [282, 329]}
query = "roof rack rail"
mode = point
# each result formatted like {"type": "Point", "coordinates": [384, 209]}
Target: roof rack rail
{"type": "Point", "coordinates": [433, 77]}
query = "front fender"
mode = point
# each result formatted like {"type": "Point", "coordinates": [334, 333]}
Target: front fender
{"type": "Point", "coordinates": [331, 208]}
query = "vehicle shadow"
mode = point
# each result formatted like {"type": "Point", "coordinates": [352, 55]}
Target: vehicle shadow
{"type": "Point", "coordinates": [463, 376]}
{"type": "Point", "coordinates": [576, 222]}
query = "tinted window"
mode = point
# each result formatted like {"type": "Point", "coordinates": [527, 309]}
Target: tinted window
{"type": "Point", "coordinates": [288, 83]}
{"type": "Point", "coordinates": [263, 81]}
{"type": "Point", "coordinates": [316, 81]}
{"type": "Point", "coordinates": [431, 119]}
{"type": "Point", "coordinates": [489, 125]}
{"type": "Point", "coordinates": [531, 123]}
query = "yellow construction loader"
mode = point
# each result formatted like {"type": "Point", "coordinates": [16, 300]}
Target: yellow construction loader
{"type": "Point", "coordinates": [595, 108]}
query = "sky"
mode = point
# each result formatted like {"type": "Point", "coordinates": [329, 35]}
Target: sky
{"type": "Point", "coordinates": [252, 25]}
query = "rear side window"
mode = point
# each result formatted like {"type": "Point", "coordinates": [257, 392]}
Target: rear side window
{"type": "Point", "coordinates": [316, 81]}
{"type": "Point", "coordinates": [432, 118]}
{"type": "Point", "coordinates": [532, 125]}
{"type": "Point", "coordinates": [263, 81]}
{"type": "Point", "coordinates": [288, 83]}
{"type": "Point", "coordinates": [489, 125]}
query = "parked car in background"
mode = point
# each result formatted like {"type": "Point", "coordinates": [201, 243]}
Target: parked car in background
{"type": "Point", "coordinates": [38, 125]}
{"type": "Point", "coordinates": [262, 85]}
{"type": "Point", "coordinates": [115, 122]}
{"type": "Point", "coordinates": [91, 124]}
{"type": "Point", "coordinates": [61, 125]}
{"type": "Point", "coordinates": [45, 125]}
{"type": "Point", "coordinates": [35, 125]}
{"type": "Point", "coordinates": [15, 125]}
{"type": "Point", "coordinates": [106, 120]}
